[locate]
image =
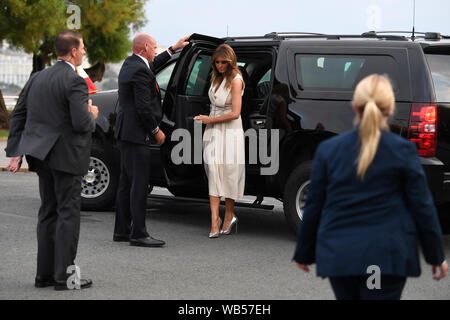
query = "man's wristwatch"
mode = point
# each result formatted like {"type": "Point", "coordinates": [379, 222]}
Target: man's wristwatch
{"type": "Point", "coordinates": [171, 50]}
{"type": "Point", "coordinates": [155, 131]}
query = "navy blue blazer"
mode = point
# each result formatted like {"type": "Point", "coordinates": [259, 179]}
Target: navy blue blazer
{"type": "Point", "coordinates": [349, 224]}
{"type": "Point", "coordinates": [139, 111]}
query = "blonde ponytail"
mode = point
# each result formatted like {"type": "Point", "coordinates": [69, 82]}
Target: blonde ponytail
{"type": "Point", "coordinates": [369, 134]}
{"type": "Point", "coordinates": [374, 101]}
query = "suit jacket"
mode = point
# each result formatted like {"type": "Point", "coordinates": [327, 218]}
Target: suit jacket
{"type": "Point", "coordinates": [51, 121]}
{"type": "Point", "coordinates": [139, 110]}
{"type": "Point", "coordinates": [350, 224]}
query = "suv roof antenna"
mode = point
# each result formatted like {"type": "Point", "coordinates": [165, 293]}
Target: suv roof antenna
{"type": "Point", "coordinates": [413, 37]}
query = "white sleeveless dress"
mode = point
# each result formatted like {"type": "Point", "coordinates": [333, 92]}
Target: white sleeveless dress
{"type": "Point", "coordinates": [224, 148]}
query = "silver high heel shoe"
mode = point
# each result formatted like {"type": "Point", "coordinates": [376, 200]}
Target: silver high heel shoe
{"type": "Point", "coordinates": [234, 222]}
{"type": "Point", "coordinates": [215, 234]}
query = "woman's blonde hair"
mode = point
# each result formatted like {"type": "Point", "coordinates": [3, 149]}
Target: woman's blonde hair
{"type": "Point", "coordinates": [374, 101]}
{"type": "Point", "coordinates": [225, 52]}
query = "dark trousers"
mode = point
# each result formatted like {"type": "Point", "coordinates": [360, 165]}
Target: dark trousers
{"type": "Point", "coordinates": [355, 288]}
{"type": "Point", "coordinates": [131, 200]}
{"type": "Point", "coordinates": [58, 226]}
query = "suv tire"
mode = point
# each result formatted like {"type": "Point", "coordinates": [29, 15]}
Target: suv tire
{"type": "Point", "coordinates": [295, 192]}
{"type": "Point", "coordinates": [99, 185]}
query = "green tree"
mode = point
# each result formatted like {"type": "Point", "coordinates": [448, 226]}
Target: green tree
{"type": "Point", "coordinates": [32, 25]}
{"type": "Point", "coordinates": [106, 27]}
{"type": "Point", "coordinates": [4, 116]}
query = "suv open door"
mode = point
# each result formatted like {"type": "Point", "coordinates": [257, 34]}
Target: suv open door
{"type": "Point", "coordinates": [187, 97]}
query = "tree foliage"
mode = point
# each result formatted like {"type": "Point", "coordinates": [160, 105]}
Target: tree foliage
{"type": "Point", "coordinates": [106, 27]}
{"type": "Point", "coordinates": [32, 25]}
{"type": "Point", "coordinates": [4, 116]}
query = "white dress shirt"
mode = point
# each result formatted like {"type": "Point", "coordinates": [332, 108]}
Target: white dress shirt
{"type": "Point", "coordinates": [145, 60]}
{"type": "Point", "coordinates": [73, 67]}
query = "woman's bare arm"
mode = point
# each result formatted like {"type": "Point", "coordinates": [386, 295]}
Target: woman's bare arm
{"type": "Point", "coordinates": [236, 105]}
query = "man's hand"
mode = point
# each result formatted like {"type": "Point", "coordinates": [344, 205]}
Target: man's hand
{"type": "Point", "coordinates": [304, 267]}
{"type": "Point", "coordinates": [93, 109]}
{"type": "Point", "coordinates": [160, 137]}
{"type": "Point", "coordinates": [443, 267]}
{"type": "Point", "coordinates": [14, 164]}
{"type": "Point", "coordinates": [181, 43]}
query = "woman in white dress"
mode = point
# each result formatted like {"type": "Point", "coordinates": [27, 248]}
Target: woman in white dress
{"type": "Point", "coordinates": [223, 140]}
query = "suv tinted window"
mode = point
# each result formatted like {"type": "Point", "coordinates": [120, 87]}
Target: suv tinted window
{"type": "Point", "coordinates": [440, 71]}
{"type": "Point", "coordinates": [163, 76]}
{"type": "Point", "coordinates": [338, 72]}
{"type": "Point", "coordinates": [198, 83]}
{"type": "Point", "coordinates": [263, 86]}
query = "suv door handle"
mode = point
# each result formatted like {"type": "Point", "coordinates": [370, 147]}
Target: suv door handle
{"type": "Point", "coordinates": [258, 122]}
{"type": "Point", "coordinates": [166, 122]}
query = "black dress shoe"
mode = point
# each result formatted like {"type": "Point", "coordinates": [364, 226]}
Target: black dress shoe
{"type": "Point", "coordinates": [43, 282]}
{"type": "Point", "coordinates": [121, 237]}
{"type": "Point", "coordinates": [84, 284]}
{"type": "Point", "coordinates": [147, 242]}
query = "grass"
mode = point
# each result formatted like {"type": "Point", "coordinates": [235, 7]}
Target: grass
{"type": "Point", "coordinates": [3, 134]}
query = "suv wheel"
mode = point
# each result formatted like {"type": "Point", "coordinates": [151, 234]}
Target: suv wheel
{"type": "Point", "coordinates": [98, 186]}
{"type": "Point", "coordinates": [295, 193]}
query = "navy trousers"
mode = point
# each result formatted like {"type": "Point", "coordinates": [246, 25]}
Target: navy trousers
{"type": "Point", "coordinates": [131, 202]}
{"type": "Point", "coordinates": [355, 288]}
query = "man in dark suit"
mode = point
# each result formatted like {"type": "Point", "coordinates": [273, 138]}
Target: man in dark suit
{"type": "Point", "coordinates": [52, 125]}
{"type": "Point", "coordinates": [137, 123]}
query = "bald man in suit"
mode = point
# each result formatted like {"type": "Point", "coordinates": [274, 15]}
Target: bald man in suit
{"type": "Point", "coordinates": [137, 123]}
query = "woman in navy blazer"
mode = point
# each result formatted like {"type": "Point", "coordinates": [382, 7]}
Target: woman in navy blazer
{"type": "Point", "coordinates": [367, 203]}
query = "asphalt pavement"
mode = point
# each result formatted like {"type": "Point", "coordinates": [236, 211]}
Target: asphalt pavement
{"type": "Point", "coordinates": [254, 264]}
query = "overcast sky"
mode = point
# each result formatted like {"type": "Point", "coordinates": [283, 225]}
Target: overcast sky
{"type": "Point", "coordinates": [169, 20]}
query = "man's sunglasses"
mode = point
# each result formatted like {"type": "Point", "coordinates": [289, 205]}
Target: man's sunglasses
{"type": "Point", "coordinates": [221, 62]}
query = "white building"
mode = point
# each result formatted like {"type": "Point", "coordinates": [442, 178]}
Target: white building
{"type": "Point", "coordinates": [15, 66]}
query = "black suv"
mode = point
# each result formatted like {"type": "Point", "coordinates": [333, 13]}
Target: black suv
{"type": "Point", "coordinates": [299, 86]}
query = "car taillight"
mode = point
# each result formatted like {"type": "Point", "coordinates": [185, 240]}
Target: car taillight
{"type": "Point", "coordinates": [422, 128]}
